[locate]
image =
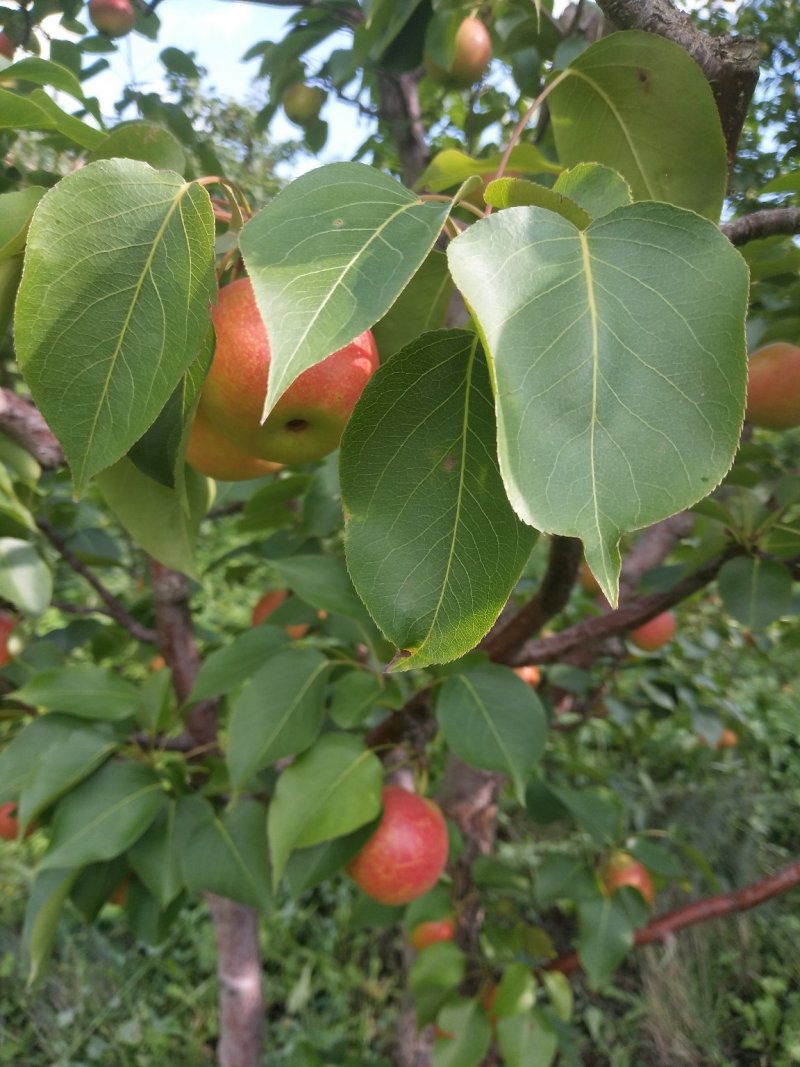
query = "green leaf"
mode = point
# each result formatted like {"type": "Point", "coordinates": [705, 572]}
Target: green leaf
{"type": "Point", "coordinates": [451, 167]}
{"type": "Point", "coordinates": [114, 304]}
{"type": "Point", "coordinates": [86, 692]}
{"type": "Point", "coordinates": [355, 694]}
{"type": "Point", "coordinates": [16, 210]}
{"type": "Point", "coordinates": [37, 111]}
{"type": "Point", "coordinates": [154, 857]}
{"type": "Point", "coordinates": [104, 815]}
{"type": "Point", "coordinates": [44, 72]}
{"type": "Point", "coordinates": [527, 1040]}
{"type": "Point", "coordinates": [50, 891]}
{"type": "Point", "coordinates": [434, 976]}
{"type": "Point", "coordinates": [329, 791]}
{"type": "Point", "coordinates": [756, 592]}
{"type": "Point", "coordinates": [422, 306]}
{"type": "Point", "coordinates": [605, 937]}
{"type": "Point", "coordinates": [620, 394]}
{"type": "Point", "coordinates": [60, 768]}
{"type": "Point", "coordinates": [25, 580]}
{"type": "Point", "coordinates": [598, 813]}
{"type": "Point", "coordinates": [161, 451]}
{"type": "Point", "coordinates": [227, 855]}
{"type": "Point", "coordinates": [596, 188]}
{"type": "Point", "coordinates": [516, 991]}
{"type": "Point", "coordinates": [231, 666]}
{"type": "Point", "coordinates": [433, 546]}
{"type": "Point", "coordinates": [143, 141]}
{"type": "Point", "coordinates": [621, 89]}
{"type": "Point", "coordinates": [322, 581]}
{"type": "Point", "coordinates": [308, 867]}
{"type": "Point", "coordinates": [492, 720]}
{"type": "Point", "coordinates": [155, 516]}
{"type": "Point", "coordinates": [328, 257]}
{"type": "Point", "coordinates": [564, 877]}
{"type": "Point", "coordinates": [278, 713]}
{"type": "Point", "coordinates": [472, 1035]}
{"type": "Point", "coordinates": [18, 761]}
{"type": "Point", "coordinates": [517, 192]}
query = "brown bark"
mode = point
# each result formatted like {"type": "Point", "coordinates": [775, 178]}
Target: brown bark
{"type": "Point", "coordinates": [729, 63]}
{"type": "Point", "coordinates": [241, 1001]}
{"type": "Point", "coordinates": [700, 911]}
{"type": "Point", "coordinates": [399, 109]}
{"type": "Point", "coordinates": [25, 424]}
{"type": "Point", "coordinates": [768, 223]}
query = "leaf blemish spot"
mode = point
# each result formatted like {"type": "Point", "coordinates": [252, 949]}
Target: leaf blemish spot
{"type": "Point", "coordinates": [338, 223]}
{"type": "Point", "coordinates": [448, 463]}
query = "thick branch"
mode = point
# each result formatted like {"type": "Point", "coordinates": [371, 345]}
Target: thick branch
{"type": "Point", "coordinates": [114, 607]}
{"type": "Point", "coordinates": [651, 549]}
{"type": "Point", "coordinates": [177, 644]}
{"type": "Point", "coordinates": [399, 109]}
{"type": "Point", "coordinates": [550, 599]}
{"type": "Point", "coordinates": [24, 423]}
{"type": "Point", "coordinates": [729, 63]}
{"type": "Point", "coordinates": [700, 911]}
{"type": "Point", "coordinates": [634, 613]}
{"type": "Point", "coordinates": [239, 973]}
{"type": "Point", "coordinates": [768, 223]}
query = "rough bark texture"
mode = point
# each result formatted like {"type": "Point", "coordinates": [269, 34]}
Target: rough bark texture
{"type": "Point", "coordinates": [399, 109]}
{"type": "Point", "coordinates": [25, 424]}
{"type": "Point", "coordinates": [241, 1002]}
{"type": "Point", "coordinates": [768, 223]}
{"type": "Point", "coordinates": [729, 63]}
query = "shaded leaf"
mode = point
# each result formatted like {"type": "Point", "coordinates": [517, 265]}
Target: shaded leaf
{"type": "Point", "coordinates": [114, 305]}
{"type": "Point", "coordinates": [756, 592]}
{"type": "Point", "coordinates": [619, 360]}
{"type": "Point", "coordinates": [421, 307]}
{"type": "Point", "coordinates": [231, 666]}
{"type": "Point", "coordinates": [492, 720]}
{"type": "Point", "coordinates": [86, 692]}
{"type": "Point", "coordinates": [605, 937]}
{"type": "Point", "coordinates": [50, 891]}
{"type": "Point", "coordinates": [329, 791]}
{"type": "Point", "coordinates": [432, 544]}
{"type": "Point", "coordinates": [621, 89]}
{"type": "Point", "coordinates": [227, 855]}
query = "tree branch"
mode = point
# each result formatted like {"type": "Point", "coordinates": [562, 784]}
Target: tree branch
{"type": "Point", "coordinates": [651, 549]}
{"type": "Point", "coordinates": [768, 223]}
{"type": "Point", "coordinates": [631, 614]}
{"type": "Point", "coordinates": [24, 424]}
{"type": "Point", "coordinates": [700, 911]}
{"type": "Point", "coordinates": [550, 599]}
{"type": "Point", "coordinates": [114, 607]}
{"type": "Point", "coordinates": [729, 63]}
{"type": "Point", "coordinates": [399, 109]}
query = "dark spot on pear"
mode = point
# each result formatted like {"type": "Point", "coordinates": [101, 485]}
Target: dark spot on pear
{"type": "Point", "coordinates": [296, 425]}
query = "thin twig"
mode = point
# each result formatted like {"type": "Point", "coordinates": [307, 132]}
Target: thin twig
{"type": "Point", "coordinates": [116, 609]}
{"type": "Point", "coordinates": [700, 911]}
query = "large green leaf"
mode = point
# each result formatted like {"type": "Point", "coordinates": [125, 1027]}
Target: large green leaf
{"type": "Point", "coordinates": [156, 517]}
{"type": "Point", "coordinates": [527, 1040]}
{"type": "Point", "coordinates": [279, 713]}
{"type": "Point", "coordinates": [328, 257]}
{"type": "Point", "coordinates": [61, 767]}
{"type": "Point", "coordinates": [619, 364]}
{"type": "Point", "coordinates": [227, 854]}
{"type": "Point", "coordinates": [114, 304]}
{"type": "Point", "coordinates": [491, 719]}
{"type": "Point", "coordinates": [755, 591]}
{"type": "Point", "coordinates": [622, 89]}
{"type": "Point", "coordinates": [323, 582]}
{"type": "Point", "coordinates": [154, 858]}
{"type": "Point", "coordinates": [104, 815]}
{"type": "Point", "coordinates": [18, 761]}
{"type": "Point", "coordinates": [422, 306]}
{"type": "Point", "coordinates": [433, 546]}
{"type": "Point", "coordinates": [329, 791]}
{"type": "Point", "coordinates": [87, 692]}
{"type": "Point", "coordinates": [50, 891]}
{"type": "Point", "coordinates": [466, 1035]}
{"type": "Point", "coordinates": [146, 142]}
{"type": "Point", "coordinates": [231, 666]}
{"type": "Point", "coordinates": [37, 111]}
{"type": "Point", "coordinates": [16, 210]}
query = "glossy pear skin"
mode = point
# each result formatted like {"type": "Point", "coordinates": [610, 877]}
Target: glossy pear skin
{"type": "Point", "coordinates": [405, 856]}
{"type": "Point", "coordinates": [309, 419]}
{"type": "Point", "coordinates": [215, 456]}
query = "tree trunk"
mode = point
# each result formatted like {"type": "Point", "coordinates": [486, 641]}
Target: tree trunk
{"type": "Point", "coordinates": [241, 1001]}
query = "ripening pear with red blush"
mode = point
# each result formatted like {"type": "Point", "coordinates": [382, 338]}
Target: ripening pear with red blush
{"type": "Point", "coordinates": [309, 419]}
{"type": "Point", "coordinates": [405, 856]}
